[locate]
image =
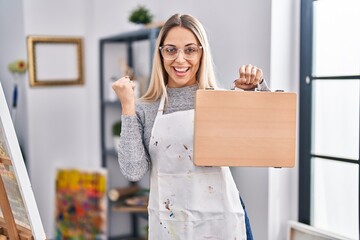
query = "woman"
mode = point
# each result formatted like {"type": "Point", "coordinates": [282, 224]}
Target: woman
{"type": "Point", "coordinates": [186, 201]}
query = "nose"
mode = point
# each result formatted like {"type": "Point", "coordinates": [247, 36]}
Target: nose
{"type": "Point", "coordinates": [180, 56]}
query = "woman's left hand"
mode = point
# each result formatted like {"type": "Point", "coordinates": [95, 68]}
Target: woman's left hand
{"type": "Point", "coordinates": [250, 77]}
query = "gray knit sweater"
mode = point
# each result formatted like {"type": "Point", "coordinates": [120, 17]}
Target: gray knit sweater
{"type": "Point", "coordinates": [136, 130]}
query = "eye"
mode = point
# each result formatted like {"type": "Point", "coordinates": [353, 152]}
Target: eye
{"type": "Point", "coordinates": [190, 50]}
{"type": "Point", "coordinates": [170, 50]}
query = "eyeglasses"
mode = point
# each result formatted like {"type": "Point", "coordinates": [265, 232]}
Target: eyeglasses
{"type": "Point", "coordinates": [171, 52]}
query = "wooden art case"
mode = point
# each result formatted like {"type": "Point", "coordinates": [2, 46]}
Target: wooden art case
{"type": "Point", "coordinates": [245, 128]}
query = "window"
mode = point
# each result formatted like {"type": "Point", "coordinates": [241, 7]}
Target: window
{"type": "Point", "coordinates": [329, 116]}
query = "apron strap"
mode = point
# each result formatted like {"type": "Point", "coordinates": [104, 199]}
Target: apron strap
{"type": "Point", "coordinates": [161, 106]}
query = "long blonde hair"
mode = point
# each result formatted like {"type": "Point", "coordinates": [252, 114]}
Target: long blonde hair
{"type": "Point", "coordinates": [205, 76]}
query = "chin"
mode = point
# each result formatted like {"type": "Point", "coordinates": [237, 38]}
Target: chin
{"type": "Point", "coordinates": [180, 83]}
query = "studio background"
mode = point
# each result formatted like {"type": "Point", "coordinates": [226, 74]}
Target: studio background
{"type": "Point", "coordinates": [61, 126]}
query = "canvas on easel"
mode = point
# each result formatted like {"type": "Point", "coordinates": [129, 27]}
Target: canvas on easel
{"type": "Point", "coordinates": [19, 215]}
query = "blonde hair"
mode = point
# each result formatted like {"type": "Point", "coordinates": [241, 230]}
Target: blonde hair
{"type": "Point", "coordinates": [205, 76]}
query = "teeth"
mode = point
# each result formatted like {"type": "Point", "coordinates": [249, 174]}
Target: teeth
{"type": "Point", "coordinates": [181, 69]}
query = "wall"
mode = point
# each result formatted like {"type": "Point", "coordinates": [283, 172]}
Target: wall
{"type": "Point", "coordinates": [285, 63]}
{"type": "Point", "coordinates": [233, 39]}
{"type": "Point", "coordinates": [63, 122]}
{"type": "Point", "coordinates": [13, 47]}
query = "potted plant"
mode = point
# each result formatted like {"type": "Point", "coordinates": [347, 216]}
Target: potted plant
{"type": "Point", "coordinates": [116, 130]}
{"type": "Point", "coordinates": [140, 15]}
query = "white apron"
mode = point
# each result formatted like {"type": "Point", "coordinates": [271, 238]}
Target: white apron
{"type": "Point", "coordinates": [189, 202]}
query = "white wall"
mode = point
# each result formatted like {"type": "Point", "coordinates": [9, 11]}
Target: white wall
{"type": "Point", "coordinates": [63, 122]}
{"type": "Point", "coordinates": [285, 63]}
{"type": "Point", "coordinates": [13, 47]}
{"type": "Point", "coordinates": [239, 31]}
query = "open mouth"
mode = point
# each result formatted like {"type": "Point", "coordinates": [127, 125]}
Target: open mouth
{"type": "Point", "coordinates": [181, 70]}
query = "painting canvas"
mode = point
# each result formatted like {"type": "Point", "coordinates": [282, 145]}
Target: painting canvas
{"type": "Point", "coordinates": [80, 204]}
{"type": "Point", "coordinates": [15, 177]}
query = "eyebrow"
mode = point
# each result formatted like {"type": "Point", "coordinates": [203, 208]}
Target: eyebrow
{"type": "Point", "coordinates": [171, 45]}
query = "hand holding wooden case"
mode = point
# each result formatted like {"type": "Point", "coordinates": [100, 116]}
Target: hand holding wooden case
{"type": "Point", "coordinates": [243, 128]}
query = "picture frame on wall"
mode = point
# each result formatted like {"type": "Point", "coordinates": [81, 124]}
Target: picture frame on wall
{"type": "Point", "coordinates": [55, 60]}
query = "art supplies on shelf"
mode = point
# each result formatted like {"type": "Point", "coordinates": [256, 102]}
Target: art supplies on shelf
{"type": "Point", "coordinates": [118, 193]}
{"type": "Point", "coordinates": [129, 199]}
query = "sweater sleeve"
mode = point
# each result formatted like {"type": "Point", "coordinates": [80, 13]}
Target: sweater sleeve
{"type": "Point", "coordinates": [260, 87]}
{"type": "Point", "coordinates": [263, 86]}
{"type": "Point", "coordinates": [133, 157]}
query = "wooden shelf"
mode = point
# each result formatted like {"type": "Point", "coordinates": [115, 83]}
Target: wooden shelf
{"type": "Point", "coordinates": [110, 107]}
{"type": "Point", "coordinates": [126, 238]}
{"type": "Point", "coordinates": [130, 209]}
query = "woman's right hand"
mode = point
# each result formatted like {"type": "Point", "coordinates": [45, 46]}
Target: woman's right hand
{"type": "Point", "coordinates": [124, 89]}
{"type": "Point", "coordinates": [250, 77]}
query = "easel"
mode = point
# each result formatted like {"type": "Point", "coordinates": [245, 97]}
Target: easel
{"type": "Point", "coordinates": [8, 227]}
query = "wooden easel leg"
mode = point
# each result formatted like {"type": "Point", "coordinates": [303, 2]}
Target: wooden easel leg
{"type": "Point", "coordinates": [6, 210]}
